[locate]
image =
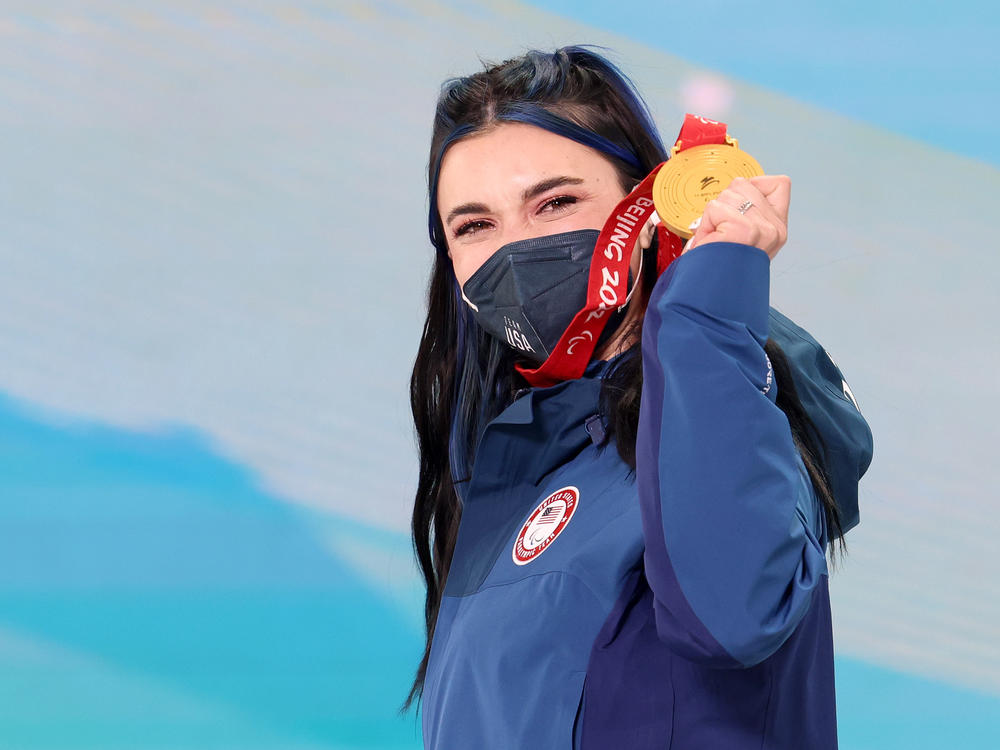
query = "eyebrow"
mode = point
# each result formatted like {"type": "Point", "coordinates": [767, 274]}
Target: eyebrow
{"type": "Point", "coordinates": [532, 192]}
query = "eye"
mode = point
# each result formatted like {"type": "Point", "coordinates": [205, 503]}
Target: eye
{"type": "Point", "coordinates": [557, 203]}
{"type": "Point", "coordinates": [472, 227]}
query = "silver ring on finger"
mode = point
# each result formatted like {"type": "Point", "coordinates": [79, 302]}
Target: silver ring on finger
{"type": "Point", "coordinates": [745, 206]}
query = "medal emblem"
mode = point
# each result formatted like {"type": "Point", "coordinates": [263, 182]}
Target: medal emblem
{"type": "Point", "coordinates": [544, 524]}
{"type": "Point", "coordinates": [692, 177]}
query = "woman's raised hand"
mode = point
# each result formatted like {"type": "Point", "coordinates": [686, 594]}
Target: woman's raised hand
{"type": "Point", "coordinates": [763, 225]}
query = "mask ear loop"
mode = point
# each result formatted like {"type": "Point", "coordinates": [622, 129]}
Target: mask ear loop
{"type": "Point", "coordinates": [461, 291]}
{"type": "Point", "coordinates": [653, 222]}
{"type": "Point", "coordinates": [467, 300]}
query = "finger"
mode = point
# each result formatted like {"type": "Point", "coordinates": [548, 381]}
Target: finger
{"type": "Point", "coordinates": [703, 226]}
{"type": "Point", "coordinates": [777, 188]}
{"type": "Point", "coordinates": [740, 191]}
{"type": "Point", "coordinates": [746, 187]}
{"type": "Point", "coordinates": [748, 229]}
{"type": "Point", "coordinates": [720, 221]}
{"type": "Point", "coordinates": [724, 216]}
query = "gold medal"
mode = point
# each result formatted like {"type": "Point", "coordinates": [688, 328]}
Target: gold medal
{"type": "Point", "coordinates": [694, 176]}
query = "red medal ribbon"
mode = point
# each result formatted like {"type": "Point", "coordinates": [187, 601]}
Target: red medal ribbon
{"type": "Point", "coordinates": [698, 131]}
{"type": "Point", "coordinates": [606, 288]}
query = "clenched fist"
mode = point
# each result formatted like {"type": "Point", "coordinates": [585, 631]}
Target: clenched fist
{"type": "Point", "coordinates": [763, 225]}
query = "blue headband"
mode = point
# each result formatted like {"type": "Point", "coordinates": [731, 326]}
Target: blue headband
{"type": "Point", "coordinates": [534, 114]}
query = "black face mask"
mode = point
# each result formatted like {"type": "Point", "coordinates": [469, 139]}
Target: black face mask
{"type": "Point", "coordinates": [527, 293]}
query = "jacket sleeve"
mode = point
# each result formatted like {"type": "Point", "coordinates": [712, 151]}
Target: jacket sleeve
{"type": "Point", "coordinates": [735, 535]}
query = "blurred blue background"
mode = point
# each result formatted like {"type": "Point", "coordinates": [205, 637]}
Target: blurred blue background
{"type": "Point", "coordinates": [213, 266]}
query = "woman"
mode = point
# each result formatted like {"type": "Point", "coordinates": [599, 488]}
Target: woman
{"type": "Point", "coordinates": [636, 556]}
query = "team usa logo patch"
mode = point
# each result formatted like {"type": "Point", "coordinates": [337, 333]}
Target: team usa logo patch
{"type": "Point", "coordinates": [545, 523]}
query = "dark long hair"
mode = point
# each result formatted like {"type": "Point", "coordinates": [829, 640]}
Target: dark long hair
{"type": "Point", "coordinates": [463, 377]}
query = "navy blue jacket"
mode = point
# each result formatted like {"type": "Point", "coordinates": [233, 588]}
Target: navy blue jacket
{"type": "Point", "coordinates": [684, 605]}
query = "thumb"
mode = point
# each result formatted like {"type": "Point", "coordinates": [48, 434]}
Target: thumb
{"type": "Point", "coordinates": [702, 226]}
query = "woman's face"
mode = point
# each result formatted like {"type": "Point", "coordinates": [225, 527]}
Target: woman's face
{"type": "Point", "coordinates": [514, 182]}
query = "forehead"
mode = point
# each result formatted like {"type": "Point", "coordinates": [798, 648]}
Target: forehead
{"type": "Point", "coordinates": [510, 157]}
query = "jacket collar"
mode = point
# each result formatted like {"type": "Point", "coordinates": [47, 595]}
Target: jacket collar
{"type": "Point", "coordinates": [550, 427]}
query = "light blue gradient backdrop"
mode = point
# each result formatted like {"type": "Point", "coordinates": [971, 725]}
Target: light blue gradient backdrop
{"type": "Point", "coordinates": [213, 265]}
